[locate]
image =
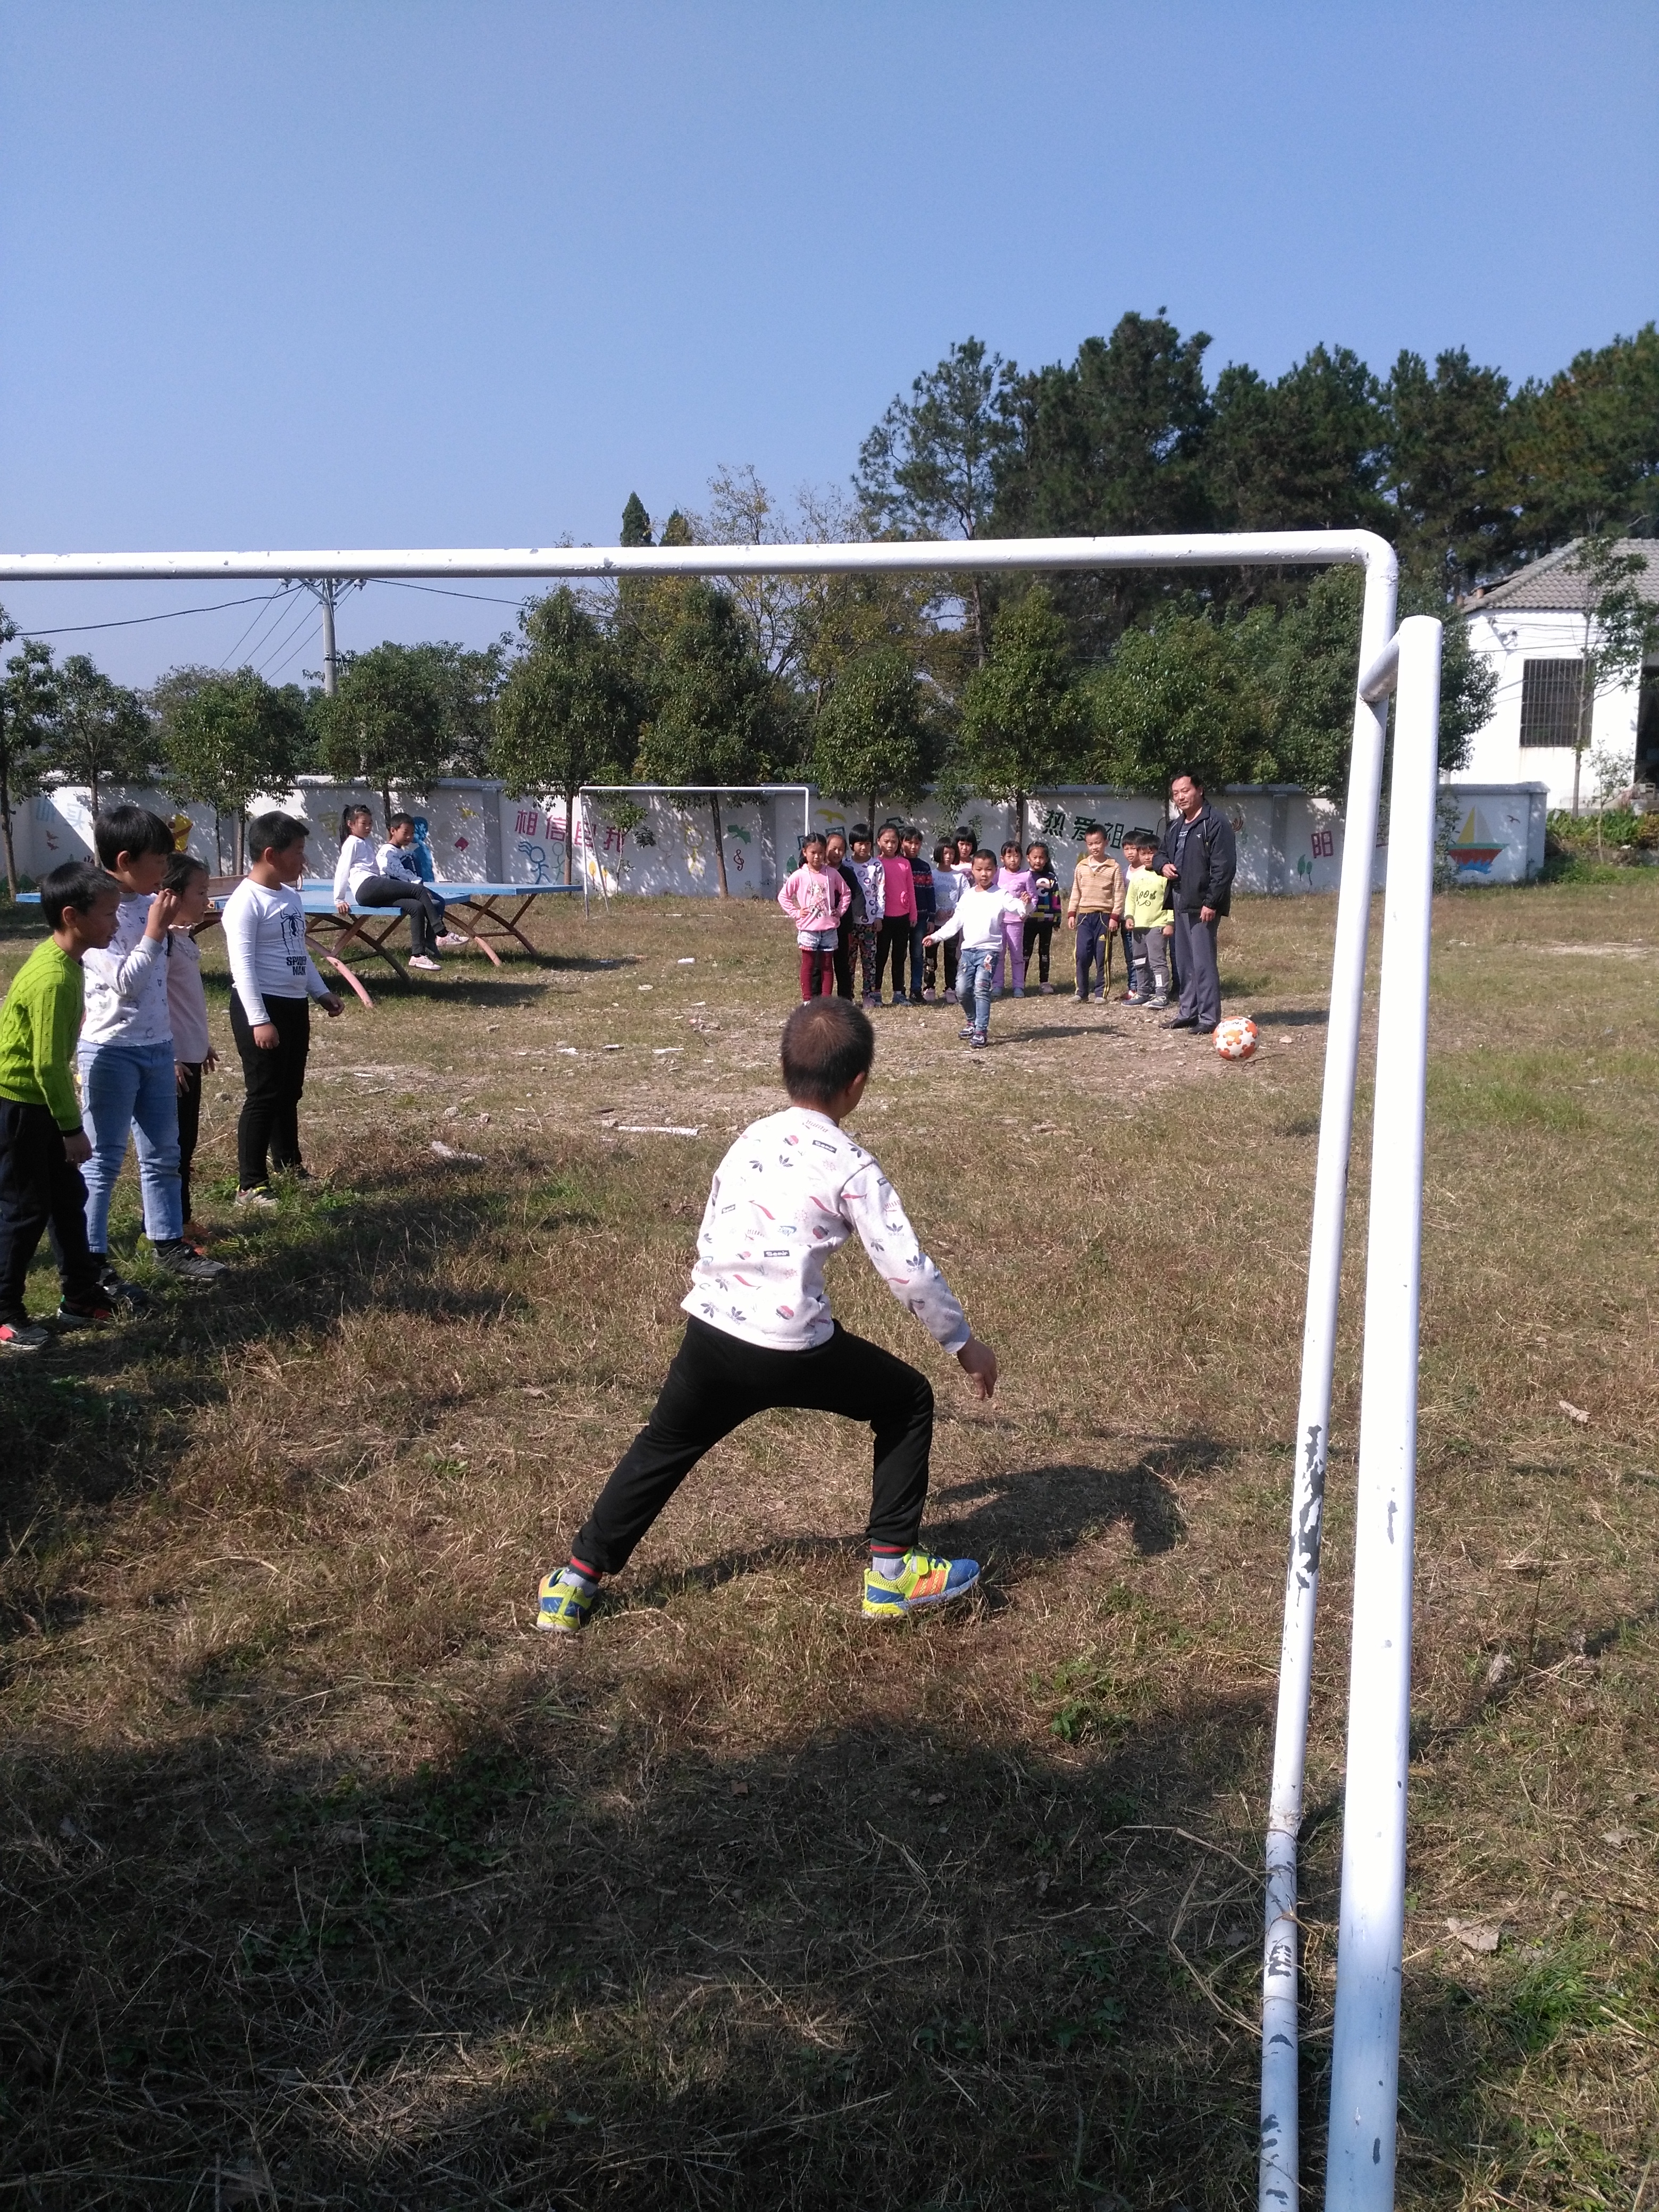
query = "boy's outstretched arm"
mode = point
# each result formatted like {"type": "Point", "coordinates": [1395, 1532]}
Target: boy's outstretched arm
{"type": "Point", "coordinates": [979, 1363]}
{"type": "Point", "coordinates": [871, 1205]}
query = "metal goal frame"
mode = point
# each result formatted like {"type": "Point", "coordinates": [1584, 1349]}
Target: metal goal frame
{"type": "Point", "coordinates": [1404, 663]}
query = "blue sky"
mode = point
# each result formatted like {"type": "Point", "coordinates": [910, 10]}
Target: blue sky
{"type": "Point", "coordinates": [408, 274]}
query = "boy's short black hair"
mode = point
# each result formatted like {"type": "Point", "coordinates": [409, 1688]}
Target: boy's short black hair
{"type": "Point", "coordinates": [79, 884]}
{"type": "Point", "coordinates": [131, 829]}
{"type": "Point", "coordinates": [180, 870]}
{"type": "Point", "coordinates": [1143, 837]}
{"type": "Point", "coordinates": [985, 854]}
{"type": "Point", "coordinates": [274, 833]}
{"type": "Point", "coordinates": [828, 1043]}
{"type": "Point", "coordinates": [396, 821]}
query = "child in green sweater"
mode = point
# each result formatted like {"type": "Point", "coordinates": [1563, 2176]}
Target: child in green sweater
{"type": "Point", "coordinates": [41, 1141]}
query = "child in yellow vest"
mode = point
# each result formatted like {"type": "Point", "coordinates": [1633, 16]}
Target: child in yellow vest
{"type": "Point", "coordinates": [1146, 899]}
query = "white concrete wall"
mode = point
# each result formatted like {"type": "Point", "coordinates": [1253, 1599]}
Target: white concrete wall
{"type": "Point", "coordinates": [1506, 640]}
{"type": "Point", "coordinates": [477, 833]}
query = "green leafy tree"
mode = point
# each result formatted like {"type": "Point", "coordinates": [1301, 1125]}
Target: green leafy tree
{"type": "Point", "coordinates": [224, 738]}
{"type": "Point", "coordinates": [1585, 445]}
{"type": "Point", "coordinates": [28, 711]}
{"type": "Point", "coordinates": [1447, 467]}
{"type": "Point", "coordinates": [468, 681]}
{"type": "Point", "coordinates": [1179, 696]}
{"type": "Point", "coordinates": [1111, 445]}
{"type": "Point", "coordinates": [1621, 629]}
{"type": "Point", "coordinates": [568, 713]}
{"type": "Point", "coordinates": [1304, 453]}
{"type": "Point", "coordinates": [1265, 697]}
{"type": "Point", "coordinates": [715, 715]}
{"type": "Point", "coordinates": [635, 522]}
{"type": "Point", "coordinates": [101, 733]}
{"type": "Point", "coordinates": [1024, 721]}
{"type": "Point", "coordinates": [384, 724]}
{"type": "Point", "coordinates": [929, 467]}
{"type": "Point", "coordinates": [874, 737]}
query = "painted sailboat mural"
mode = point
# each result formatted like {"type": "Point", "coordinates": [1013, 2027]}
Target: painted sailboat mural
{"type": "Point", "coordinates": [1475, 848]}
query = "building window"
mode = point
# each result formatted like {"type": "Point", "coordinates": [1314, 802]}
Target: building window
{"type": "Point", "coordinates": [1552, 698]}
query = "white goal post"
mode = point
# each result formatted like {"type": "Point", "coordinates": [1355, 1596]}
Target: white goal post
{"type": "Point", "coordinates": [1360, 2166]}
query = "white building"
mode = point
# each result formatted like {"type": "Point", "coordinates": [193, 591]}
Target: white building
{"type": "Point", "coordinates": [1534, 630]}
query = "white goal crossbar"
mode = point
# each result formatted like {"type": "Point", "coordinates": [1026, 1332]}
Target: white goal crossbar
{"type": "Point", "coordinates": [1360, 2166]}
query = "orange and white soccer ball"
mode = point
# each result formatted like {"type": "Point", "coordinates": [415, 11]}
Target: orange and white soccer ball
{"type": "Point", "coordinates": [1235, 1039]}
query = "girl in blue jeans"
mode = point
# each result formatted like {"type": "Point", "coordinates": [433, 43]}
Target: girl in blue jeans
{"type": "Point", "coordinates": [128, 1082]}
{"type": "Point", "coordinates": [981, 914]}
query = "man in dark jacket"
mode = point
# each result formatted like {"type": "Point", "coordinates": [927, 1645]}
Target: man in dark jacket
{"type": "Point", "coordinates": [1199, 856]}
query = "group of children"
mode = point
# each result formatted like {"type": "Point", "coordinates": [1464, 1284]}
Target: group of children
{"type": "Point", "coordinates": [887, 908]}
{"type": "Point", "coordinates": [114, 996]}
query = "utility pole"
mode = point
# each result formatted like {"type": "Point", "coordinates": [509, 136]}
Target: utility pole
{"type": "Point", "coordinates": [328, 592]}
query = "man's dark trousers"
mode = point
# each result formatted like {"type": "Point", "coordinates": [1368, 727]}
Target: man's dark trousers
{"type": "Point", "coordinates": [1200, 978]}
{"type": "Point", "coordinates": [39, 1191]}
{"type": "Point", "coordinates": [716, 1382]}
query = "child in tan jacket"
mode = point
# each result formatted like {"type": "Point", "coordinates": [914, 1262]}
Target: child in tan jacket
{"type": "Point", "coordinates": [1094, 910]}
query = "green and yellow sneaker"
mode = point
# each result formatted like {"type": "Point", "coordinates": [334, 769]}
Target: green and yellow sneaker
{"type": "Point", "coordinates": [922, 1581]}
{"type": "Point", "coordinates": [564, 1603]}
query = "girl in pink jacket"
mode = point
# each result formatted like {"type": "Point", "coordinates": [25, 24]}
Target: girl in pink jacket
{"type": "Point", "coordinates": [815, 898]}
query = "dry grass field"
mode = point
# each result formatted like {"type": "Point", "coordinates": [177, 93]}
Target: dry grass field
{"type": "Point", "coordinates": [326, 1882]}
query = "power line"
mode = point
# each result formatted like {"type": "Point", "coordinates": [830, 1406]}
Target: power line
{"type": "Point", "coordinates": [281, 636]}
{"type": "Point", "coordinates": [132, 622]}
{"type": "Point", "coordinates": [299, 646]}
{"type": "Point", "coordinates": [269, 597]}
{"type": "Point", "coordinates": [261, 629]}
{"type": "Point", "coordinates": [438, 591]}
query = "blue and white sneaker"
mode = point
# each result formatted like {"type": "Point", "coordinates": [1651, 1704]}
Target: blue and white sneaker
{"type": "Point", "coordinates": [564, 1603]}
{"type": "Point", "coordinates": [921, 1581]}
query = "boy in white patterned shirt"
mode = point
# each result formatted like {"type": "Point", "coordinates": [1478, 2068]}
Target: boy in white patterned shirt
{"type": "Point", "coordinates": [760, 1333]}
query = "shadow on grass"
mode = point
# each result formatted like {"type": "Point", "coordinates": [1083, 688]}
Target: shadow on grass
{"type": "Point", "coordinates": [1034, 1514]}
{"type": "Point", "coordinates": [871, 1967]}
{"type": "Point", "coordinates": [575, 1960]}
{"type": "Point", "coordinates": [97, 1414]}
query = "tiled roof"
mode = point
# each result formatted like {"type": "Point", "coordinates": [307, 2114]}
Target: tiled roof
{"type": "Point", "coordinates": [1554, 586]}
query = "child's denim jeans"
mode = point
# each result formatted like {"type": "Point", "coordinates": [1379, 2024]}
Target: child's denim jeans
{"type": "Point", "coordinates": [974, 983]}
{"type": "Point", "coordinates": [131, 1087]}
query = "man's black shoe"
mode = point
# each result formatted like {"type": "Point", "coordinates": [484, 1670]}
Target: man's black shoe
{"type": "Point", "coordinates": [1180, 1022]}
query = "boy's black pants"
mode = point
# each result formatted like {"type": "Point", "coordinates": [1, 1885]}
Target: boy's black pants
{"type": "Point", "coordinates": [716, 1382]}
{"type": "Point", "coordinates": [269, 1129]}
{"type": "Point", "coordinates": [40, 1190]}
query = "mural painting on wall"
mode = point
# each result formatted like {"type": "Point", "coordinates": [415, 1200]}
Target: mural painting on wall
{"type": "Point", "coordinates": [1474, 849]}
{"type": "Point", "coordinates": [1322, 846]}
{"type": "Point", "coordinates": [539, 835]}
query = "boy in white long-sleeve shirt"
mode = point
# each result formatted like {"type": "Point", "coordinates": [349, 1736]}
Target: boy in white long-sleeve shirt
{"type": "Point", "coordinates": [273, 982]}
{"type": "Point", "coordinates": [125, 1053]}
{"type": "Point", "coordinates": [981, 913]}
{"type": "Point", "coordinates": [760, 1333]}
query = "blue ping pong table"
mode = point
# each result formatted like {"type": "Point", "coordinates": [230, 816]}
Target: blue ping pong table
{"type": "Point", "coordinates": [474, 911]}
